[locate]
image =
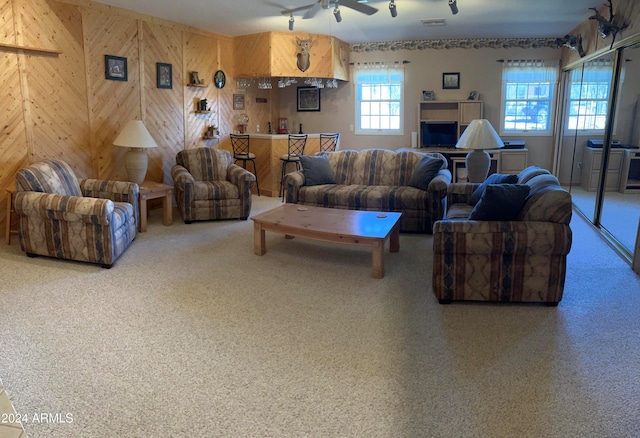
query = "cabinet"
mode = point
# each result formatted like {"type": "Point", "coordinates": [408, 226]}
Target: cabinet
{"type": "Point", "coordinates": [591, 163]}
{"type": "Point", "coordinates": [448, 112]}
{"type": "Point", "coordinates": [630, 174]}
{"type": "Point", "coordinates": [513, 160]}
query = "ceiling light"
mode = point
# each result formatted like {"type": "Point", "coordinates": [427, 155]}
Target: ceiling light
{"type": "Point", "coordinates": [336, 13]}
{"type": "Point", "coordinates": [392, 8]}
{"type": "Point", "coordinates": [291, 21]}
{"type": "Point", "coordinates": [454, 7]}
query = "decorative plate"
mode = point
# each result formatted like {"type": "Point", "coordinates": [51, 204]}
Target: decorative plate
{"type": "Point", "coordinates": [219, 79]}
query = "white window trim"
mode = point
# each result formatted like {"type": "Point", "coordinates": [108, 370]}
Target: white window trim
{"type": "Point", "coordinates": [552, 104]}
{"type": "Point", "coordinates": [358, 68]}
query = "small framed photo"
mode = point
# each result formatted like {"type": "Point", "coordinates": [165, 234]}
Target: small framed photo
{"type": "Point", "coordinates": [450, 81]}
{"type": "Point", "coordinates": [238, 101]}
{"type": "Point", "coordinates": [308, 99]}
{"type": "Point", "coordinates": [165, 78]}
{"type": "Point", "coordinates": [115, 68]}
{"type": "Point", "coordinates": [428, 95]}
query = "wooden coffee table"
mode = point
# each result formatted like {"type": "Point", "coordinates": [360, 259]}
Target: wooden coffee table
{"type": "Point", "coordinates": [368, 228]}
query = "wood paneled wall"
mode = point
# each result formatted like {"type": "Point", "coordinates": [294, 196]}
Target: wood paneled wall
{"type": "Point", "coordinates": [62, 106]}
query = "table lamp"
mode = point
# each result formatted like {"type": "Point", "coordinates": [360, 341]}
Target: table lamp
{"type": "Point", "coordinates": [135, 136]}
{"type": "Point", "coordinates": [478, 137]}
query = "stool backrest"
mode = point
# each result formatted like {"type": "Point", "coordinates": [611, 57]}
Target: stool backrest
{"type": "Point", "coordinates": [329, 142]}
{"type": "Point", "coordinates": [297, 142]}
{"type": "Point", "coordinates": [240, 144]}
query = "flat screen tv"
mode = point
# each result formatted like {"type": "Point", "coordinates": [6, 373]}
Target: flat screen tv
{"type": "Point", "coordinates": [440, 134]}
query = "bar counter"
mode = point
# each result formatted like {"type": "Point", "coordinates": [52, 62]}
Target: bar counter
{"type": "Point", "coordinates": [268, 149]}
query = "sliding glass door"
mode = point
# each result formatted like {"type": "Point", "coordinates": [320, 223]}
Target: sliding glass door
{"type": "Point", "coordinates": [621, 198]}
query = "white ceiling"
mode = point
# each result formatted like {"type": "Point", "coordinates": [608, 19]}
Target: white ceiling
{"type": "Point", "coordinates": [476, 18]}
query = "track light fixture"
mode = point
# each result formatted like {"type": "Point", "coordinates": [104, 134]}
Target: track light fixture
{"type": "Point", "coordinates": [336, 13]}
{"type": "Point", "coordinates": [454, 7]}
{"type": "Point", "coordinates": [291, 22]}
{"type": "Point", "coordinates": [392, 8]}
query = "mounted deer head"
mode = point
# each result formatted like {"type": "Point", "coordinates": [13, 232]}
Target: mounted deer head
{"type": "Point", "coordinates": [304, 60]}
{"type": "Point", "coordinates": [608, 27]}
{"type": "Point", "coordinates": [572, 42]}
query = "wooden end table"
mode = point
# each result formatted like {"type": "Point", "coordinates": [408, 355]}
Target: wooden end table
{"type": "Point", "coordinates": [153, 190]}
{"type": "Point", "coordinates": [355, 227]}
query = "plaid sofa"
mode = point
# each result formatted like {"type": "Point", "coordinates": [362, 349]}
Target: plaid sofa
{"type": "Point", "coordinates": [207, 185]}
{"type": "Point", "coordinates": [376, 180]}
{"type": "Point", "coordinates": [61, 216]}
{"type": "Point", "coordinates": [507, 261]}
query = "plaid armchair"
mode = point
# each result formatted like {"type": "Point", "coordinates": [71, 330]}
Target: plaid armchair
{"type": "Point", "coordinates": [207, 185]}
{"type": "Point", "coordinates": [87, 220]}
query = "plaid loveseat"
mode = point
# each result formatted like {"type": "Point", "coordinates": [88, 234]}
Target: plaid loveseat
{"type": "Point", "coordinates": [377, 180]}
{"type": "Point", "coordinates": [510, 261]}
{"type": "Point", "coordinates": [207, 185]}
{"type": "Point", "coordinates": [87, 220]}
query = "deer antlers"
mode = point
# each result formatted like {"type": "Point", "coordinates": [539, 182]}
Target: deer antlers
{"type": "Point", "coordinates": [607, 27]}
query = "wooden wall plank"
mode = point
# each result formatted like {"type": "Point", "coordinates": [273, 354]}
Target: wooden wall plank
{"type": "Point", "coordinates": [114, 103]}
{"type": "Point", "coordinates": [163, 107]}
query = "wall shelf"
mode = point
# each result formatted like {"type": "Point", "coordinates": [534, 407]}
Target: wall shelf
{"type": "Point", "coordinates": [197, 85]}
{"type": "Point", "coordinates": [202, 112]}
{"type": "Point", "coordinates": [29, 49]}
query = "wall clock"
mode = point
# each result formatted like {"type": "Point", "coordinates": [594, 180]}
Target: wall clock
{"type": "Point", "coordinates": [219, 79]}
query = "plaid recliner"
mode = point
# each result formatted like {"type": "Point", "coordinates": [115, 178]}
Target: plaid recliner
{"type": "Point", "coordinates": [61, 216]}
{"type": "Point", "coordinates": [207, 185]}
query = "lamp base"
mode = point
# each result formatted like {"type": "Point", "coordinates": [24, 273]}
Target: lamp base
{"type": "Point", "coordinates": [478, 164]}
{"type": "Point", "coordinates": [136, 162]}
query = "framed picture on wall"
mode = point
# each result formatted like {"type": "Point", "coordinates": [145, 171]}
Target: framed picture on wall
{"type": "Point", "coordinates": [115, 68]}
{"type": "Point", "coordinates": [450, 81]}
{"type": "Point", "coordinates": [164, 74]}
{"type": "Point", "coordinates": [238, 101]}
{"type": "Point", "coordinates": [308, 99]}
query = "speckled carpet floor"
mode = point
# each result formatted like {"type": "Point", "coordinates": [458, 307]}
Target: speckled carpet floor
{"type": "Point", "coordinates": [192, 335]}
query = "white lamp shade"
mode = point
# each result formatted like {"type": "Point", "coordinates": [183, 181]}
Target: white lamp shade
{"type": "Point", "coordinates": [480, 135]}
{"type": "Point", "coordinates": [135, 135]}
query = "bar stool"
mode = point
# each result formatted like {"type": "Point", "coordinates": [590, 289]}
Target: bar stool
{"type": "Point", "coordinates": [329, 142]}
{"type": "Point", "coordinates": [296, 145]}
{"type": "Point", "coordinates": [240, 145]}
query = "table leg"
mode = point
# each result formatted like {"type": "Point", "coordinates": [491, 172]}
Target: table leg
{"type": "Point", "coordinates": [394, 243]}
{"type": "Point", "coordinates": [377, 258]}
{"type": "Point", "coordinates": [259, 247]}
{"type": "Point", "coordinates": [7, 235]}
{"type": "Point", "coordinates": [143, 214]}
{"type": "Point", "coordinates": [167, 208]}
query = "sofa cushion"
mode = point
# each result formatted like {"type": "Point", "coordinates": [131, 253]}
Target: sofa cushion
{"type": "Point", "coordinates": [425, 171]}
{"type": "Point", "coordinates": [500, 202]}
{"type": "Point", "coordinates": [494, 178]}
{"type": "Point", "coordinates": [316, 170]}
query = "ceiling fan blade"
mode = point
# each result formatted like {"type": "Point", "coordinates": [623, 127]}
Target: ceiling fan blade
{"type": "Point", "coordinates": [313, 10]}
{"type": "Point", "coordinates": [360, 7]}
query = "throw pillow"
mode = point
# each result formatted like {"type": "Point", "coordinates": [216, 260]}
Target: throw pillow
{"type": "Point", "coordinates": [316, 170]}
{"type": "Point", "coordinates": [500, 202]}
{"type": "Point", "coordinates": [425, 171]}
{"type": "Point", "coordinates": [494, 178]}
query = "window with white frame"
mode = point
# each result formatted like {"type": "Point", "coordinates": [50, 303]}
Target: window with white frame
{"type": "Point", "coordinates": [589, 96]}
{"type": "Point", "coordinates": [528, 90]}
{"type": "Point", "coordinates": [379, 89]}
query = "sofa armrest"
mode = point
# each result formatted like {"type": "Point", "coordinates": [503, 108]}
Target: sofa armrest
{"type": "Point", "coordinates": [117, 191]}
{"type": "Point", "coordinates": [64, 208]}
{"type": "Point", "coordinates": [460, 193]}
{"type": "Point", "coordinates": [181, 176]}
{"type": "Point", "coordinates": [440, 183]}
{"type": "Point", "coordinates": [293, 181]}
{"type": "Point", "coordinates": [504, 237]}
{"type": "Point", "coordinates": [240, 177]}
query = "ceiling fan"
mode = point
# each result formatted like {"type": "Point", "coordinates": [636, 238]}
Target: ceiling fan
{"type": "Point", "coordinates": [312, 9]}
